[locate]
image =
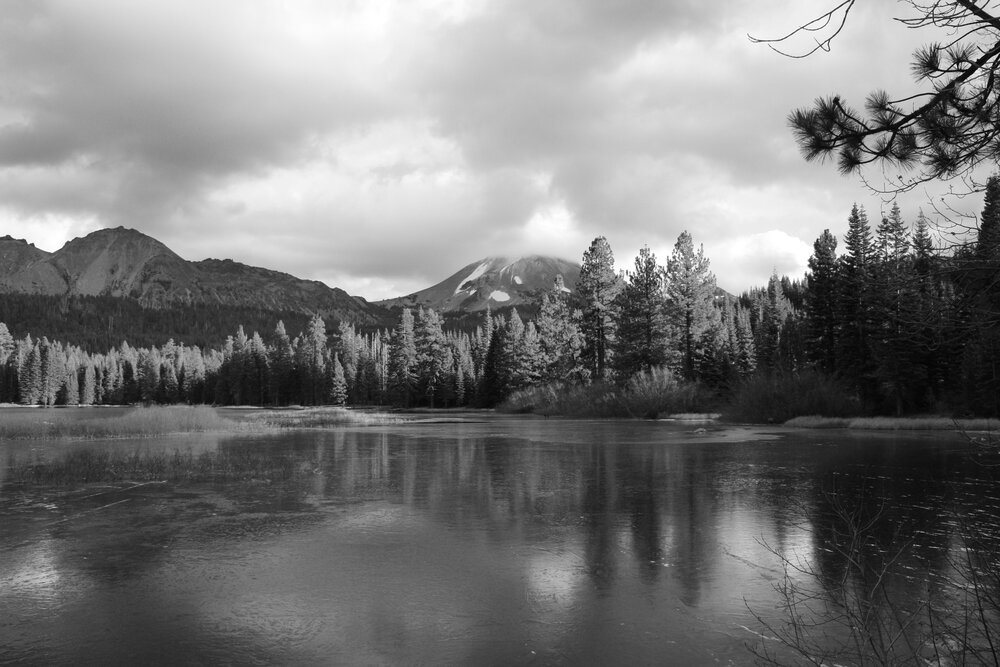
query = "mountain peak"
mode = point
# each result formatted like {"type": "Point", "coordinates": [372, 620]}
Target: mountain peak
{"type": "Point", "coordinates": [124, 262]}
{"type": "Point", "coordinates": [492, 282]}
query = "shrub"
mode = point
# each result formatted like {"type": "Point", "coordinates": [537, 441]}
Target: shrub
{"type": "Point", "coordinates": [776, 398]}
{"type": "Point", "coordinates": [657, 391]}
{"type": "Point", "coordinates": [647, 395]}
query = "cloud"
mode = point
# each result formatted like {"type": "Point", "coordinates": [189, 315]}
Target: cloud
{"type": "Point", "coordinates": [759, 254]}
{"type": "Point", "coordinates": [382, 144]}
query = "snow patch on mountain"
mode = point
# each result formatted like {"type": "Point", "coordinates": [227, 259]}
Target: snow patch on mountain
{"type": "Point", "coordinates": [477, 272]}
{"type": "Point", "coordinates": [499, 296]}
{"type": "Point", "coordinates": [517, 279]}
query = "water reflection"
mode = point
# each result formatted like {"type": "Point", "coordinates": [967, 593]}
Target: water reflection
{"type": "Point", "coordinates": [505, 541]}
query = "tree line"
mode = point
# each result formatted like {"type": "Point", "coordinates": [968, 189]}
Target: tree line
{"type": "Point", "coordinates": [903, 325]}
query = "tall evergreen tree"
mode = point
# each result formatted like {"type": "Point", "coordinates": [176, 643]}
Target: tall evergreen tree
{"type": "Point", "coordinates": [988, 240]}
{"type": "Point", "coordinates": [980, 308]}
{"type": "Point", "coordinates": [690, 301]}
{"type": "Point", "coordinates": [822, 290]}
{"type": "Point", "coordinates": [402, 376]}
{"type": "Point", "coordinates": [29, 376]}
{"type": "Point", "coordinates": [559, 336]}
{"type": "Point", "coordinates": [643, 333]}
{"type": "Point", "coordinates": [338, 383]}
{"type": "Point", "coordinates": [892, 305]}
{"type": "Point", "coordinates": [312, 361]}
{"type": "Point", "coordinates": [6, 343]}
{"type": "Point", "coordinates": [281, 359]}
{"type": "Point", "coordinates": [88, 384]}
{"type": "Point", "coordinates": [775, 310]}
{"type": "Point", "coordinates": [892, 242]}
{"type": "Point", "coordinates": [598, 288]}
{"type": "Point", "coordinates": [529, 361]}
{"type": "Point", "coordinates": [349, 350]}
{"type": "Point", "coordinates": [855, 307]}
{"type": "Point", "coordinates": [430, 349]}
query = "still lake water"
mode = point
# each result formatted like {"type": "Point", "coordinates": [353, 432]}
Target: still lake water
{"type": "Point", "coordinates": [504, 540]}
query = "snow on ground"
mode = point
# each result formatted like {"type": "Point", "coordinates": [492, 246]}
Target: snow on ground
{"type": "Point", "coordinates": [498, 295]}
{"type": "Point", "coordinates": [517, 279]}
{"type": "Point", "coordinates": [478, 271]}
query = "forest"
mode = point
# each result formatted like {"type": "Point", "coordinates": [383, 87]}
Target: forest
{"type": "Point", "coordinates": [894, 324]}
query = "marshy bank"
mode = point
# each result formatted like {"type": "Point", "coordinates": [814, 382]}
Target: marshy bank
{"type": "Point", "coordinates": [805, 399]}
{"type": "Point", "coordinates": [81, 463]}
{"type": "Point", "coordinates": [157, 421]}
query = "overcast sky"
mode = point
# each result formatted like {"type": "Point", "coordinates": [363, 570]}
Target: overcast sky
{"type": "Point", "coordinates": [380, 146]}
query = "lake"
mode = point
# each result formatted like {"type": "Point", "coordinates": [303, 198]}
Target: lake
{"type": "Point", "coordinates": [495, 540]}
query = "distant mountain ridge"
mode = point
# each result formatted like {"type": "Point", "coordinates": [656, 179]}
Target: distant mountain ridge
{"type": "Point", "coordinates": [125, 263]}
{"type": "Point", "coordinates": [495, 282]}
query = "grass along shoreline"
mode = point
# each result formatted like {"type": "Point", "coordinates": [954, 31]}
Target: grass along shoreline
{"type": "Point", "coordinates": [926, 423]}
{"type": "Point", "coordinates": [156, 421]}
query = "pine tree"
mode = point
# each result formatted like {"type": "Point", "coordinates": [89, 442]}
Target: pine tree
{"type": "Point", "coordinates": [429, 349]}
{"type": "Point", "coordinates": [529, 361]}
{"type": "Point", "coordinates": [8, 366]}
{"type": "Point", "coordinates": [643, 333]}
{"type": "Point", "coordinates": [312, 361]}
{"type": "Point", "coordinates": [338, 383]}
{"type": "Point", "coordinates": [559, 336]}
{"type": "Point", "coordinates": [169, 384]}
{"type": "Point", "coordinates": [690, 301]}
{"type": "Point", "coordinates": [149, 375]}
{"type": "Point", "coordinates": [987, 245]}
{"type": "Point", "coordinates": [892, 241]}
{"type": "Point", "coordinates": [746, 350]}
{"type": "Point", "coordinates": [822, 290]}
{"type": "Point", "coordinates": [854, 307]}
{"type": "Point", "coordinates": [892, 301]}
{"type": "Point", "coordinates": [598, 288]}
{"type": "Point", "coordinates": [29, 375]}
{"type": "Point", "coordinates": [402, 376]}
{"type": "Point", "coordinates": [923, 251]}
{"type": "Point", "coordinates": [6, 344]}
{"type": "Point", "coordinates": [191, 379]}
{"type": "Point", "coordinates": [979, 315]}
{"type": "Point", "coordinates": [257, 371]}
{"type": "Point", "coordinates": [88, 384]}
{"type": "Point", "coordinates": [349, 351]}
{"type": "Point", "coordinates": [775, 310]}
{"type": "Point", "coordinates": [69, 393]}
{"type": "Point", "coordinates": [496, 375]}
{"type": "Point", "coordinates": [281, 360]}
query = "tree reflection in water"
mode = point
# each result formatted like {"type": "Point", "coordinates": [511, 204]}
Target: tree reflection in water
{"type": "Point", "coordinates": [511, 540]}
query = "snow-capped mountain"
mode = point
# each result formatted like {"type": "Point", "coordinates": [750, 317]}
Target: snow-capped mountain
{"type": "Point", "coordinates": [496, 282]}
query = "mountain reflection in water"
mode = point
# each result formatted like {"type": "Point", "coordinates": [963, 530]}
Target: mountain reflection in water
{"type": "Point", "coordinates": [504, 541]}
